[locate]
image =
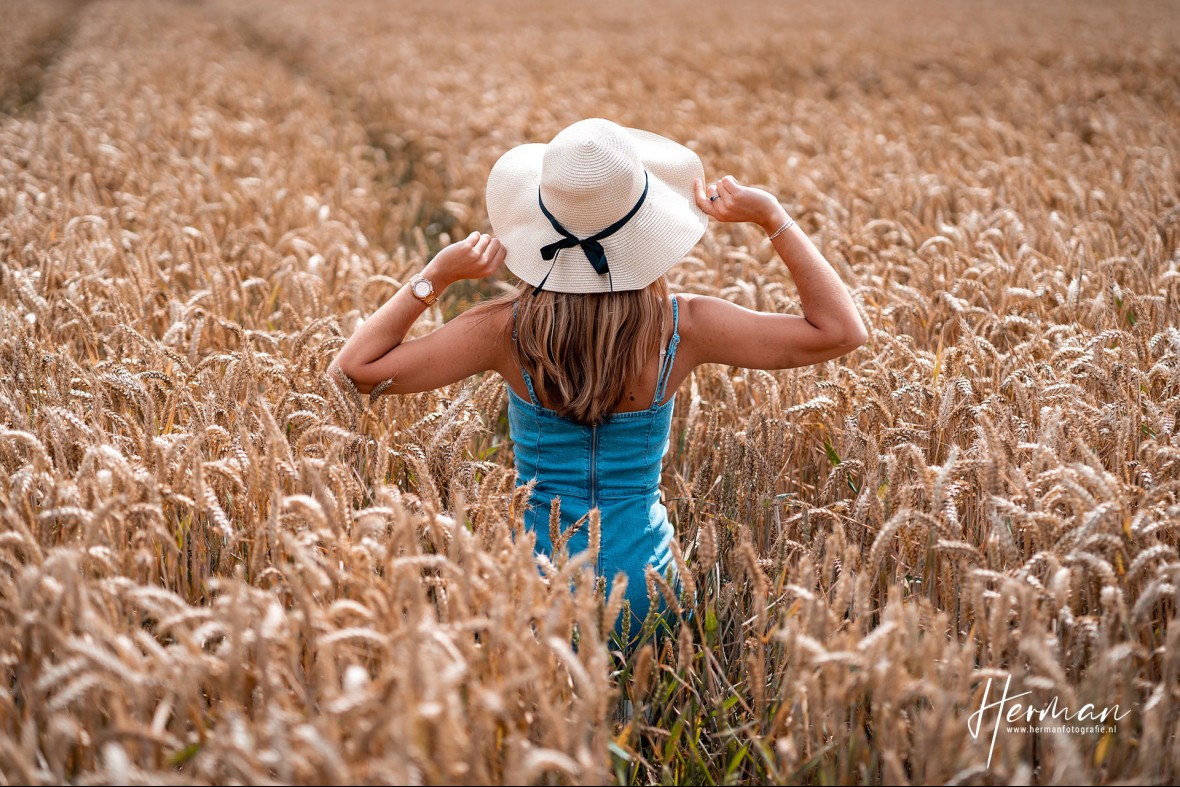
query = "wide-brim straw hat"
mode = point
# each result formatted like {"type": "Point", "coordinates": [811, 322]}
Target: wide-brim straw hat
{"type": "Point", "coordinates": [592, 175]}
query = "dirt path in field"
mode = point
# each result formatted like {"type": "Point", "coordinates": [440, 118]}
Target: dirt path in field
{"type": "Point", "coordinates": [34, 38]}
{"type": "Point", "coordinates": [400, 170]}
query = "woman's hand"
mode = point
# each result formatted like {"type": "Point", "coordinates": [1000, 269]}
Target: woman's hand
{"type": "Point", "coordinates": [378, 352]}
{"type": "Point", "coordinates": [475, 257]}
{"type": "Point", "coordinates": [728, 200]}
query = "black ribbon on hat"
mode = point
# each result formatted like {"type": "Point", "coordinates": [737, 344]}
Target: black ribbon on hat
{"type": "Point", "coordinates": [594, 251]}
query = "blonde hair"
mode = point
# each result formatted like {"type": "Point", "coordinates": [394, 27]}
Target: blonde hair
{"type": "Point", "coordinates": [582, 349]}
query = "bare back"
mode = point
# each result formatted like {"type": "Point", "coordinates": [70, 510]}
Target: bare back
{"type": "Point", "coordinates": [713, 330]}
{"type": "Point", "coordinates": [638, 393]}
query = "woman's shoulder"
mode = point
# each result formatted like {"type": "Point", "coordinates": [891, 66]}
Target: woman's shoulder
{"type": "Point", "coordinates": [498, 310]}
{"type": "Point", "coordinates": [707, 323]}
{"type": "Point", "coordinates": [691, 310]}
{"type": "Point", "coordinates": [488, 323]}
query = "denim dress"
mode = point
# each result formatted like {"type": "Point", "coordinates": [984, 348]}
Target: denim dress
{"type": "Point", "coordinates": [613, 466]}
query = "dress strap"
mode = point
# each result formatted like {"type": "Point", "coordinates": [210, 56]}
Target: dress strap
{"type": "Point", "coordinates": [668, 356]}
{"type": "Point", "coordinates": [528, 380]}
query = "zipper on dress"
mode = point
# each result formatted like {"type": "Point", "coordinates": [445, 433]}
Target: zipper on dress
{"type": "Point", "coordinates": [593, 464]}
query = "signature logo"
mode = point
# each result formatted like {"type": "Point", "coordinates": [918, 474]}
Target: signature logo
{"type": "Point", "coordinates": [1005, 711]}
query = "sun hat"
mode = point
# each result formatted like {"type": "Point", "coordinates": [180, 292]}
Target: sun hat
{"type": "Point", "coordinates": [600, 208]}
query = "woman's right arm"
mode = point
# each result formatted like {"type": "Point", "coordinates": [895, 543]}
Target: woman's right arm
{"type": "Point", "coordinates": [718, 331]}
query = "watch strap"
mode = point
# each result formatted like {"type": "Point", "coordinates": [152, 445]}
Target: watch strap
{"type": "Point", "coordinates": [430, 299]}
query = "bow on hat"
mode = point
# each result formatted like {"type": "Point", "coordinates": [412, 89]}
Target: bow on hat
{"type": "Point", "coordinates": [591, 246]}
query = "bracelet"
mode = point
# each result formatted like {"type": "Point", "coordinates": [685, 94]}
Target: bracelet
{"type": "Point", "coordinates": [790, 222]}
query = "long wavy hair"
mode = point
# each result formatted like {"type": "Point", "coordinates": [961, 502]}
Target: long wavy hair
{"type": "Point", "coordinates": [582, 349]}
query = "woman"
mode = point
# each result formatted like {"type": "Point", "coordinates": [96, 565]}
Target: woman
{"type": "Point", "coordinates": [591, 346]}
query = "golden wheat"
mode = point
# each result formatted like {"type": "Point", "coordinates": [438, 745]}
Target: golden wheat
{"type": "Point", "coordinates": [218, 565]}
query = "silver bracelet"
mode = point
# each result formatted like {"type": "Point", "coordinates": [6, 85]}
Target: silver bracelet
{"type": "Point", "coordinates": [786, 226]}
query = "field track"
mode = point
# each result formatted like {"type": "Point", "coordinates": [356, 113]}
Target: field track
{"type": "Point", "coordinates": [218, 566]}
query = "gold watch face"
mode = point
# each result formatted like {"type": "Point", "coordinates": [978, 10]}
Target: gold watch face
{"type": "Point", "coordinates": [422, 288]}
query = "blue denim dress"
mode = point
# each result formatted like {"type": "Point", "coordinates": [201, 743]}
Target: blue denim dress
{"type": "Point", "coordinates": [614, 466]}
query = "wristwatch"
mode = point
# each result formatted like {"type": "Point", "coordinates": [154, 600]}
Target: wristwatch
{"type": "Point", "coordinates": [423, 290]}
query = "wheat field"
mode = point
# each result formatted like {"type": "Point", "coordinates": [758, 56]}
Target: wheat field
{"type": "Point", "coordinates": [218, 566]}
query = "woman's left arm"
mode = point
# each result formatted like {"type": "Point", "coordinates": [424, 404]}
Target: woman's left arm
{"type": "Point", "coordinates": [461, 348]}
